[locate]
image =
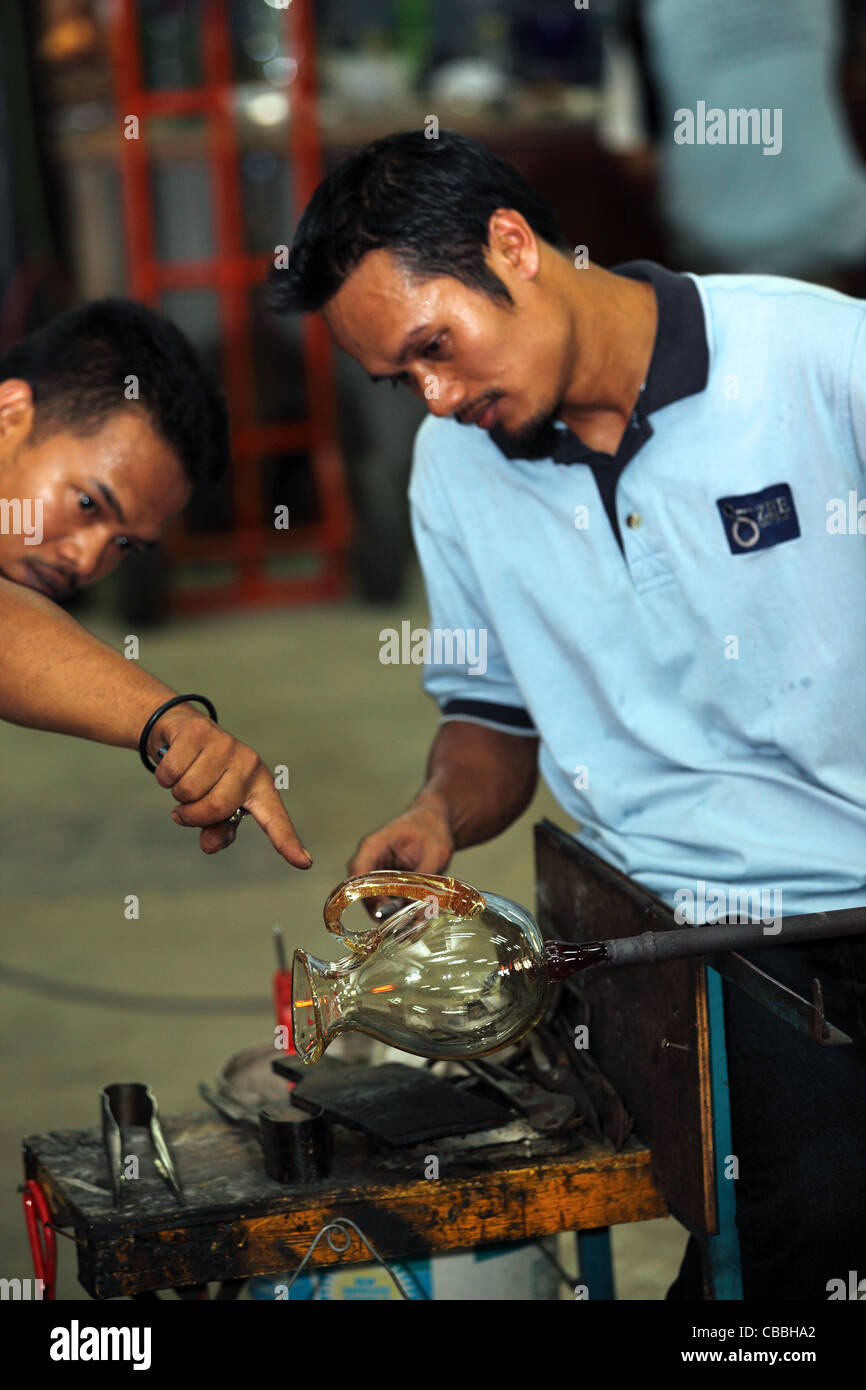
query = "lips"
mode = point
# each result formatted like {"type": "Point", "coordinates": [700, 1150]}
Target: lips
{"type": "Point", "coordinates": [488, 417]}
{"type": "Point", "coordinates": [483, 415]}
{"type": "Point", "coordinates": [46, 583]}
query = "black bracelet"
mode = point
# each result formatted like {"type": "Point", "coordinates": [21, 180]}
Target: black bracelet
{"type": "Point", "coordinates": [177, 700]}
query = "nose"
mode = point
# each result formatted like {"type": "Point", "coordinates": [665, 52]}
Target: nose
{"type": "Point", "coordinates": [443, 395]}
{"type": "Point", "coordinates": [84, 553]}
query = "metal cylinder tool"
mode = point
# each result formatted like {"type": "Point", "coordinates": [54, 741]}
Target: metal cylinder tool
{"type": "Point", "coordinates": [296, 1145]}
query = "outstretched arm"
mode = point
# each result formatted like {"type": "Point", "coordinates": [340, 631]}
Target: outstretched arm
{"type": "Point", "coordinates": [55, 675]}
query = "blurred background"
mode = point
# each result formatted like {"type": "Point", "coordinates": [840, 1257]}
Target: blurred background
{"type": "Point", "coordinates": [165, 149]}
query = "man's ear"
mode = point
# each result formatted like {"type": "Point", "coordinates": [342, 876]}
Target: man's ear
{"type": "Point", "coordinates": [510, 237]}
{"type": "Point", "coordinates": [16, 410]}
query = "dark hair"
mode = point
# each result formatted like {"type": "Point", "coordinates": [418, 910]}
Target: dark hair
{"type": "Point", "coordinates": [428, 201]}
{"type": "Point", "coordinates": [78, 369]}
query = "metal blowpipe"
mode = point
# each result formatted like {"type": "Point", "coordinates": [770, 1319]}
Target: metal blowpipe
{"type": "Point", "coordinates": [564, 958]}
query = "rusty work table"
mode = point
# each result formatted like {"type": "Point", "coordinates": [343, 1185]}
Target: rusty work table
{"type": "Point", "coordinates": [238, 1222]}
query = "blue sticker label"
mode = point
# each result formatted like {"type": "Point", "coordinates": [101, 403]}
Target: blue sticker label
{"type": "Point", "coordinates": [759, 519]}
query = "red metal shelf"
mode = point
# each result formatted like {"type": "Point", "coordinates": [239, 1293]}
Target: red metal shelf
{"type": "Point", "coordinates": [231, 274]}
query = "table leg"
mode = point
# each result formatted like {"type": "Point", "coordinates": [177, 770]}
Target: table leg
{"type": "Point", "coordinates": [595, 1263]}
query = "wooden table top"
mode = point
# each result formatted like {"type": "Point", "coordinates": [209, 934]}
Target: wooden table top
{"type": "Point", "coordinates": [238, 1222]}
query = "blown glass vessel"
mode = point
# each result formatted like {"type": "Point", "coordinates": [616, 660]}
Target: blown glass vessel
{"type": "Point", "coordinates": [455, 974]}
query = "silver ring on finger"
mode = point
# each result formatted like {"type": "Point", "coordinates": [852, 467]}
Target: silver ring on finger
{"type": "Point", "coordinates": [237, 816]}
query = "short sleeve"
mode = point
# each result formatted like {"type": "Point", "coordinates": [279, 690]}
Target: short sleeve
{"type": "Point", "coordinates": [857, 391]}
{"type": "Point", "coordinates": [465, 670]}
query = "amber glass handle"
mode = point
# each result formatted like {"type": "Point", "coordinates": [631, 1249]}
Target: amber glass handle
{"type": "Point", "coordinates": [394, 883]}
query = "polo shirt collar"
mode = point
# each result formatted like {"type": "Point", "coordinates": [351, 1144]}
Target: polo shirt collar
{"type": "Point", "coordinates": [678, 368]}
{"type": "Point", "coordinates": [680, 360]}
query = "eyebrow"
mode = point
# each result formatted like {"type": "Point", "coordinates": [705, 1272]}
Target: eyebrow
{"type": "Point", "coordinates": [113, 503]}
{"type": "Point", "coordinates": [408, 344]}
{"type": "Point", "coordinates": [110, 499]}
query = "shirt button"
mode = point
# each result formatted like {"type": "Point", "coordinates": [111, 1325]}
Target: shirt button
{"type": "Point", "coordinates": [633, 520]}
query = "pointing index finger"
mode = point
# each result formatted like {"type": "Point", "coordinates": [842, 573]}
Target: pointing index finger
{"type": "Point", "coordinates": [266, 807]}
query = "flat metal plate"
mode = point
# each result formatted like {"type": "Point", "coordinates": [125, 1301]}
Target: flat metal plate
{"type": "Point", "coordinates": [395, 1103]}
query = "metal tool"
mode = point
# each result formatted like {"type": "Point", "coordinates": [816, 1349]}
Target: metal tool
{"type": "Point", "coordinates": [296, 1144]}
{"type": "Point", "coordinates": [607, 1105]}
{"type": "Point", "coordinates": [283, 993]}
{"type": "Point", "coordinates": [280, 948]}
{"type": "Point", "coordinates": [545, 1111]}
{"type": "Point", "coordinates": [130, 1103]}
{"type": "Point", "coordinates": [654, 947]}
{"type": "Point", "coordinates": [719, 944]}
{"type": "Point", "coordinates": [232, 1110]}
{"type": "Point", "coordinates": [547, 1063]}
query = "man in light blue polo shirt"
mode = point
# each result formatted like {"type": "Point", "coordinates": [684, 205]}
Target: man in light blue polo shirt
{"type": "Point", "coordinates": [643, 490]}
{"type": "Point", "coordinates": [680, 649]}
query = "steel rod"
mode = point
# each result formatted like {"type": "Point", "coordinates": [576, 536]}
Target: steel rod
{"type": "Point", "coordinates": [653, 947]}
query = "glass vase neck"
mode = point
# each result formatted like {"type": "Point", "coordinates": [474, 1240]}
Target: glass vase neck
{"type": "Point", "coordinates": [565, 958]}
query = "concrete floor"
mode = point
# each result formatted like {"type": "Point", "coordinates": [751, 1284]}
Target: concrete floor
{"type": "Point", "coordinates": [85, 827]}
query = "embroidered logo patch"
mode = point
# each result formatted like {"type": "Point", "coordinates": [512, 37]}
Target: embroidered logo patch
{"type": "Point", "coordinates": [759, 519]}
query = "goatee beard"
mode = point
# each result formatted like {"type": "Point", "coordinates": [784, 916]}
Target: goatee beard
{"type": "Point", "coordinates": [534, 440]}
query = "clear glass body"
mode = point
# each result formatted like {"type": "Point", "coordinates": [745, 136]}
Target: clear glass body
{"type": "Point", "coordinates": [446, 985]}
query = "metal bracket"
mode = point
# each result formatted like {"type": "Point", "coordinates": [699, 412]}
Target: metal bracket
{"type": "Point", "coordinates": [785, 1003]}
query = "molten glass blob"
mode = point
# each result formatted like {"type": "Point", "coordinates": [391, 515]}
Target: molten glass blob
{"type": "Point", "coordinates": [455, 974]}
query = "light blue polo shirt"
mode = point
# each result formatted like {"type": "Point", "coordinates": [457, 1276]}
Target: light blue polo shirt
{"type": "Point", "coordinates": [729, 204]}
{"type": "Point", "coordinates": [698, 693]}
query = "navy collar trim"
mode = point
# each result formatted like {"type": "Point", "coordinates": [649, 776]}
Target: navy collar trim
{"type": "Point", "coordinates": [680, 361]}
{"type": "Point", "coordinates": [679, 366]}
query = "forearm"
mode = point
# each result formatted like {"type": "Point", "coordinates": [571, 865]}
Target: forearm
{"type": "Point", "coordinates": [479, 779]}
{"type": "Point", "coordinates": [55, 675]}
